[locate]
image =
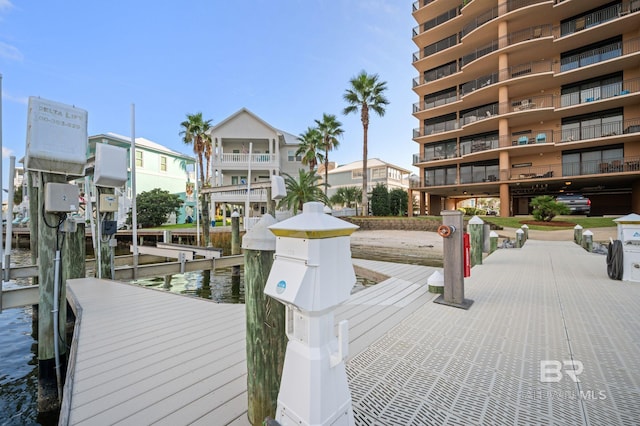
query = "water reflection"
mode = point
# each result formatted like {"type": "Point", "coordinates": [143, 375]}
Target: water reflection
{"type": "Point", "coordinates": [222, 287]}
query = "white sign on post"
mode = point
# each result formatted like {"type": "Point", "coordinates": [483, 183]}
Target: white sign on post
{"type": "Point", "coordinates": [56, 137]}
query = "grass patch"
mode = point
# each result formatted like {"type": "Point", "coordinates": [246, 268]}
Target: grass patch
{"type": "Point", "coordinates": [571, 221]}
{"type": "Point", "coordinates": [175, 226]}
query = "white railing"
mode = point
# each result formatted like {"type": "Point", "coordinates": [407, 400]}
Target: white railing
{"type": "Point", "coordinates": [243, 159]}
{"type": "Point", "coordinates": [256, 195]}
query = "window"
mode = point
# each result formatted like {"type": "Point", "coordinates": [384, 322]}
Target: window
{"type": "Point", "coordinates": [477, 143]}
{"type": "Point", "coordinates": [441, 45]}
{"type": "Point", "coordinates": [163, 163]}
{"type": "Point", "coordinates": [479, 172]}
{"type": "Point", "coordinates": [238, 180]}
{"type": "Point", "coordinates": [591, 126]}
{"type": "Point", "coordinates": [139, 162]}
{"type": "Point", "coordinates": [378, 173]}
{"type": "Point", "coordinates": [440, 176]}
{"type": "Point", "coordinates": [440, 150]}
{"type": "Point", "coordinates": [592, 161]}
{"type": "Point", "coordinates": [591, 90]}
{"type": "Point", "coordinates": [591, 54]}
{"type": "Point", "coordinates": [291, 156]}
{"type": "Point", "coordinates": [440, 98]}
{"type": "Point", "coordinates": [356, 174]}
{"type": "Point", "coordinates": [440, 72]}
{"type": "Point", "coordinates": [443, 123]}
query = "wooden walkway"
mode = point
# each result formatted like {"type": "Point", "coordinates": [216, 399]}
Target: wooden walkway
{"type": "Point", "coordinates": [143, 356]}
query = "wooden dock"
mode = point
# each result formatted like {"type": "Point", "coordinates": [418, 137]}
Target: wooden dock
{"type": "Point", "coordinates": [143, 356]}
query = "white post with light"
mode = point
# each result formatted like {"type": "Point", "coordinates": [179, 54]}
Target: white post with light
{"type": "Point", "coordinates": [312, 275]}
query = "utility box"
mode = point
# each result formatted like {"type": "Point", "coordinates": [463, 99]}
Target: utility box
{"type": "Point", "coordinates": [56, 138]}
{"type": "Point", "coordinates": [312, 274]}
{"type": "Point", "coordinates": [108, 203]}
{"type": "Point", "coordinates": [61, 197]}
{"type": "Point", "coordinates": [111, 166]}
{"type": "Point", "coordinates": [629, 236]}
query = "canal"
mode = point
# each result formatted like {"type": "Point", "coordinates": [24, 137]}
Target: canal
{"type": "Point", "coordinates": [18, 346]}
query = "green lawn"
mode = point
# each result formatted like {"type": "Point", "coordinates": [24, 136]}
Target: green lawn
{"type": "Point", "coordinates": [584, 221]}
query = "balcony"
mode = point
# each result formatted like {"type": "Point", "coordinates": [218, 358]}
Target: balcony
{"type": "Point", "coordinates": [238, 193]}
{"type": "Point", "coordinates": [479, 83]}
{"type": "Point", "coordinates": [608, 129]}
{"type": "Point", "coordinates": [479, 53]}
{"type": "Point", "coordinates": [241, 161]}
{"type": "Point", "coordinates": [479, 114]}
{"type": "Point", "coordinates": [485, 17]}
{"type": "Point", "coordinates": [604, 91]}
{"type": "Point", "coordinates": [598, 17]}
{"type": "Point", "coordinates": [541, 136]}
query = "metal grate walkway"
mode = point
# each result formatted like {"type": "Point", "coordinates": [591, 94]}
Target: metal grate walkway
{"type": "Point", "coordinates": [549, 302]}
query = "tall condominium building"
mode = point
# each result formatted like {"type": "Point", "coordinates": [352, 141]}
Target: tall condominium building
{"type": "Point", "coordinates": [520, 98]}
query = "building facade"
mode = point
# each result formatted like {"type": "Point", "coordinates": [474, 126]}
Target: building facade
{"type": "Point", "coordinates": [156, 167]}
{"type": "Point", "coordinates": [247, 151]}
{"type": "Point", "coordinates": [378, 172]}
{"type": "Point", "coordinates": [519, 98]}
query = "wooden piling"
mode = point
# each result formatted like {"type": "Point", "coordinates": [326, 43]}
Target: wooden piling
{"type": "Point", "coordinates": [577, 234]}
{"type": "Point", "coordinates": [493, 241]}
{"type": "Point", "coordinates": [266, 338]}
{"type": "Point", "coordinates": [47, 244]}
{"type": "Point", "coordinates": [476, 231]}
{"type": "Point", "coordinates": [587, 240]}
{"type": "Point", "coordinates": [235, 250]}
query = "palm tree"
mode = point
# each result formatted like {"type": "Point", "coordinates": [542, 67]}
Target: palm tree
{"type": "Point", "coordinates": [330, 128]}
{"type": "Point", "coordinates": [347, 196]}
{"type": "Point", "coordinates": [193, 132]}
{"type": "Point", "coordinates": [306, 188]}
{"type": "Point", "coordinates": [309, 146]}
{"type": "Point", "coordinates": [366, 93]}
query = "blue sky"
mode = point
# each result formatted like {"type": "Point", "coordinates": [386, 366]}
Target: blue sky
{"type": "Point", "coordinates": [288, 61]}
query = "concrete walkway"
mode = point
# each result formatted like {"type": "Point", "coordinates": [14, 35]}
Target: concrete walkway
{"type": "Point", "coordinates": [548, 304]}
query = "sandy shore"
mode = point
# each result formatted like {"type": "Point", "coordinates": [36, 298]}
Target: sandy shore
{"type": "Point", "coordinates": [424, 246]}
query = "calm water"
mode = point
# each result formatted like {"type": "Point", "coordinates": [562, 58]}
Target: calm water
{"type": "Point", "coordinates": [18, 349]}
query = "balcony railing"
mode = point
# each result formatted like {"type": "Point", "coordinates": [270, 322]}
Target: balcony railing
{"type": "Point", "coordinates": [541, 136]}
{"type": "Point", "coordinates": [598, 17]}
{"type": "Point", "coordinates": [519, 4]}
{"type": "Point", "coordinates": [526, 34]}
{"type": "Point", "coordinates": [239, 194]}
{"type": "Point", "coordinates": [479, 83]}
{"type": "Point", "coordinates": [603, 130]}
{"type": "Point", "coordinates": [528, 103]}
{"type": "Point", "coordinates": [479, 53]}
{"type": "Point", "coordinates": [421, 3]}
{"type": "Point", "coordinates": [595, 167]}
{"type": "Point", "coordinates": [600, 54]}
{"type": "Point", "coordinates": [243, 159]}
{"type": "Point", "coordinates": [482, 19]}
{"type": "Point", "coordinates": [479, 114]}
{"type": "Point", "coordinates": [604, 91]}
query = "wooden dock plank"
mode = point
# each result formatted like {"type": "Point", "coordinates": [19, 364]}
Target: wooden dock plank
{"type": "Point", "coordinates": [145, 355]}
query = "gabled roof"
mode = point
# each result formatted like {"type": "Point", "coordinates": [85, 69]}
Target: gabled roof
{"type": "Point", "coordinates": [143, 142]}
{"type": "Point", "coordinates": [371, 162]}
{"type": "Point", "coordinates": [286, 137]}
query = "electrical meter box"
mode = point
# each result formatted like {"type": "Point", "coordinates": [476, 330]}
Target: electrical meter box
{"type": "Point", "coordinates": [312, 269]}
{"type": "Point", "coordinates": [111, 166]}
{"type": "Point", "coordinates": [56, 138]}
{"type": "Point", "coordinates": [108, 203]}
{"type": "Point", "coordinates": [278, 187]}
{"type": "Point", "coordinates": [61, 197]}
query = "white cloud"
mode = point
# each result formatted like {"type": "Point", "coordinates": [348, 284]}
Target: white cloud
{"type": "Point", "coordinates": [17, 99]}
{"type": "Point", "coordinates": [6, 152]}
{"type": "Point", "coordinates": [5, 5]}
{"type": "Point", "coordinates": [10, 52]}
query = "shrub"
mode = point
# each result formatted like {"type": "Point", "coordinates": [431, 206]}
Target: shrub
{"type": "Point", "coordinates": [545, 208]}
